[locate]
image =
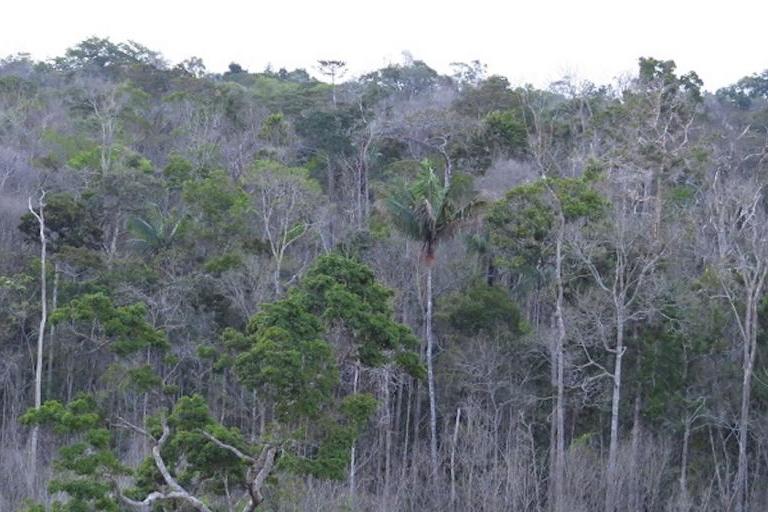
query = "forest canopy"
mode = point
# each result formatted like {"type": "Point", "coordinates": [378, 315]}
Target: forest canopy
{"type": "Point", "coordinates": [259, 290]}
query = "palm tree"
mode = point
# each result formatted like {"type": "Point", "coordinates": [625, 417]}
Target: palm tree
{"type": "Point", "coordinates": [429, 211]}
{"type": "Point", "coordinates": [154, 233]}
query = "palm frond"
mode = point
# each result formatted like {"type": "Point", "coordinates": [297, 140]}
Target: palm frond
{"type": "Point", "coordinates": [427, 211]}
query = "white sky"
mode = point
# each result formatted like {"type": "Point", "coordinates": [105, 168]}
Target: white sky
{"type": "Point", "coordinates": [527, 41]}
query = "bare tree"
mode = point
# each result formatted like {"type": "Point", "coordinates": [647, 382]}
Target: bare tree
{"type": "Point", "coordinates": [737, 225]}
{"type": "Point", "coordinates": [287, 205]}
{"type": "Point", "coordinates": [621, 260]}
{"type": "Point", "coordinates": [40, 216]}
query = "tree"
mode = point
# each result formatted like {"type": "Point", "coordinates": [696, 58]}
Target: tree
{"type": "Point", "coordinates": [529, 228]}
{"type": "Point", "coordinates": [40, 217]}
{"type": "Point", "coordinates": [621, 256]}
{"type": "Point", "coordinates": [738, 235]}
{"type": "Point", "coordinates": [286, 355]}
{"type": "Point", "coordinates": [334, 69]}
{"type": "Point", "coordinates": [287, 204]}
{"type": "Point", "coordinates": [654, 125]}
{"type": "Point", "coordinates": [429, 212]}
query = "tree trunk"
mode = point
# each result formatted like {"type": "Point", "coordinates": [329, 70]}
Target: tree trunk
{"type": "Point", "coordinates": [613, 448]}
{"type": "Point", "coordinates": [415, 454]}
{"type": "Point", "coordinates": [453, 457]}
{"type": "Point", "coordinates": [559, 459]}
{"type": "Point", "coordinates": [52, 330]}
{"type": "Point", "coordinates": [387, 437]}
{"type": "Point", "coordinates": [431, 381]}
{"type": "Point", "coordinates": [684, 497]}
{"type": "Point", "coordinates": [634, 473]}
{"type": "Point", "coordinates": [749, 354]}
{"type": "Point", "coordinates": [40, 331]}
{"type": "Point", "coordinates": [352, 461]}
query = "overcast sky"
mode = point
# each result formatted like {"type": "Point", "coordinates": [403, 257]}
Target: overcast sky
{"type": "Point", "coordinates": [527, 41]}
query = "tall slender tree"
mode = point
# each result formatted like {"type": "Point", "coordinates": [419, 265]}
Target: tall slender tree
{"type": "Point", "coordinates": [430, 211]}
{"type": "Point", "coordinates": [40, 217]}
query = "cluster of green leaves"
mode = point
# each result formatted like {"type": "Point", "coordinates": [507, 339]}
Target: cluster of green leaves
{"type": "Point", "coordinates": [286, 353]}
{"type": "Point", "coordinates": [288, 360]}
{"type": "Point", "coordinates": [428, 211]}
{"type": "Point", "coordinates": [195, 460]}
{"type": "Point", "coordinates": [124, 328]}
{"type": "Point", "coordinates": [482, 309]}
{"type": "Point", "coordinates": [87, 468]}
{"type": "Point", "coordinates": [344, 292]}
{"type": "Point", "coordinates": [523, 224]}
{"type": "Point", "coordinates": [288, 357]}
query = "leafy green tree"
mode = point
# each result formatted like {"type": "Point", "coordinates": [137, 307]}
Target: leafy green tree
{"type": "Point", "coordinates": [285, 355]}
{"type": "Point", "coordinates": [482, 309]}
{"type": "Point", "coordinates": [124, 329]}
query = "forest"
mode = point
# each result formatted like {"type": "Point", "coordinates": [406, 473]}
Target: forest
{"type": "Point", "coordinates": [284, 290]}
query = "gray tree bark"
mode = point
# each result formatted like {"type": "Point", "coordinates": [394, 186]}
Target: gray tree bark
{"type": "Point", "coordinates": [41, 329]}
{"type": "Point", "coordinates": [431, 381]}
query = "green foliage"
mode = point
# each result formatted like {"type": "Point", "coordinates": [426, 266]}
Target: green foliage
{"type": "Point", "coordinates": [344, 292]}
{"type": "Point", "coordinates": [144, 378]}
{"type": "Point", "coordinates": [744, 92]}
{"type": "Point", "coordinates": [156, 233]}
{"type": "Point", "coordinates": [101, 54]}
{"type": "Point", "coordinates": [522, 225]}
{"type": "Point", "coordinates": [68, 223]}
{"type": "Point", "coordinates": [188, 445]}
{"type": "Point", "coordinates": [177, 171]}
{"type": "Point", "coordinates": [275, 129]}
{"type": "Point", "coordinates": [124, 328]}
{"type": "Point", "coordinates": [491, 95]}
{"type": "Point", "coordinates": [405, 80]}
{"type": "Point", "coordinates": [79, 415]}
{"type": "Point", "coordinates": [506, 132]}
{"type": "Point", "coordinates": [218, 264]}
{"type": "Point", "coordinates": [335, 438]}
{"type": "Point", "coordinates": [289, 362]}
{"type": "Point", "coordinates": [217, 205]}
{"type": "Point", "coordinates": [358, 408]}
{"type": "Point", "coordinates": [482, 309]}
{"type": "Point", "coordinates": [427, 211]}
{"type": "Point", "coordinates": [270, 169]}
{"type": "Point", "coordinates": [85, 468]}
{"type": "Point", "coordinates": [326, 132]}
{"type": "Point", "coordinates": [286, 359]}
{"type": "Point", "coordinates": [664, 71]}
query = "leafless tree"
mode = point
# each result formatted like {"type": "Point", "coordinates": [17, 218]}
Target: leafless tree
{"type": "Point", "coordinates": [40, 217]}
{"type": "Point", "coordinates": [621, 260]}
{"type": "Point", "coordinates": [737, 228]}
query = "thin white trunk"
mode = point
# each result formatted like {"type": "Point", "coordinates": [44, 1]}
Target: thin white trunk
{"type": "Point", "coordinates": [684, 497]}
{"type": "Point", "coordinates": [41, 329]}
{"type": "Point", "coordinates": [559, 459]}
{"type": "Point", "coordinates": [431, 381]}
{"type": "Point", "coordinates": [634, 473]}
{"type": "Point", "coordinates": [387, 437]}
{"type": "Point", "coordinates": [52, 329]}
{"type": "Point", "coordinates": [352, 474]}
{"type": "Point", "coordinates": [613, 448]}
{"type": "Point", "coordinates": [453, 456]}
{"type": "Point", "coordinates": [749, 354]}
